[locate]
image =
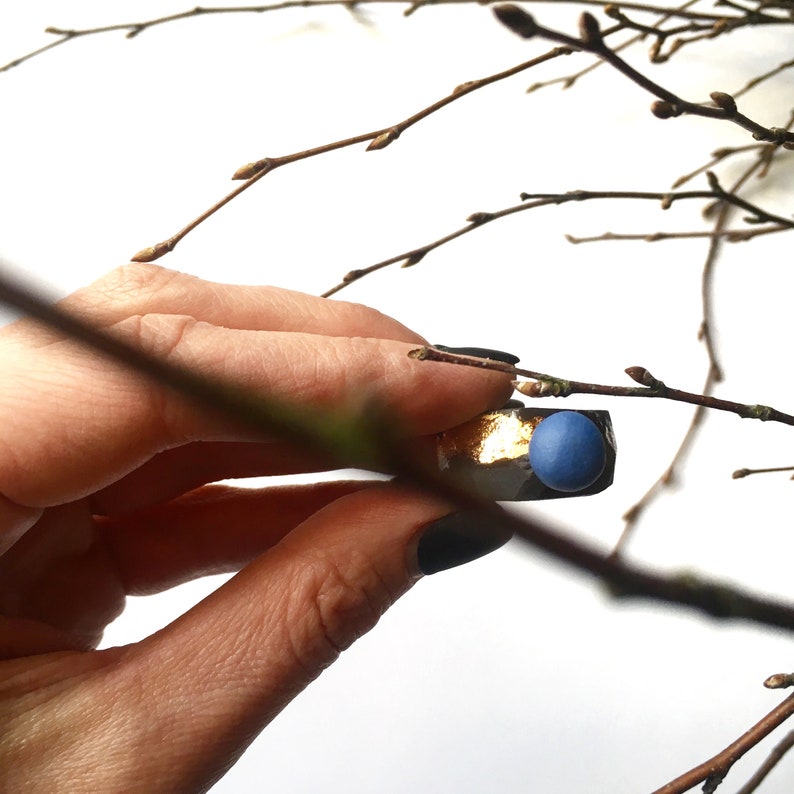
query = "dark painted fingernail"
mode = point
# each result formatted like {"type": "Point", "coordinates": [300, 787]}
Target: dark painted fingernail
{"type": "Point", "coordinates": [481, 352]}
{"type": "Point", "coordinates": [457, 539]}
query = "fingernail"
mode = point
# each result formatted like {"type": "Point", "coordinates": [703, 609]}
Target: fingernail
{"type": "Point", "coordinates": [481, 352]}
{"type": "Point", "coordinates": [459, 538]}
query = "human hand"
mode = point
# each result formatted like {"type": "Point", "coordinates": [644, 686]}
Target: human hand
{"type": "Point", "coordinates": [103, 476]}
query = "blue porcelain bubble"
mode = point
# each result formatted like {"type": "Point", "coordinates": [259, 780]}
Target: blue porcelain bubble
{"type": "Point", "coordinates": [567, 451]}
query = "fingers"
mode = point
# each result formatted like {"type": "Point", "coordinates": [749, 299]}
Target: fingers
{"type": "Point", "coordinates": [182, 469]}
{"type": "Point", "coordinates": [233, 662]}
{"type": "Point", "coordinates": [75, 423]}
{"type": "Point", "coordinates": [190, 698]}
{"type": "Point", "coordinates": [216, 529]}
{"type": "Point", "coordinates": [139, 289]}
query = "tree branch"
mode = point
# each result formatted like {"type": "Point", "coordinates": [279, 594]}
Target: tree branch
{"type": "Point", "coordinates": [713, 771]}
{"type": "Point", "coordinates": [544, 385]}
{"type": "Point", "coordinates": [668, 104]}
{"type": "Point", "coordinates": [532, 201]}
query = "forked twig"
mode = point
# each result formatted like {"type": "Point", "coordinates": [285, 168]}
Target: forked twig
{"type": "Point", "coordinates": [530, 201]}
{"type": "Point", "coordinates": [713, 771]}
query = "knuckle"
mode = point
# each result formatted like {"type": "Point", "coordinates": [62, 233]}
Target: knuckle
{"type": "Point", "coordinates": [336, 604]}
{"type": "Point", "coordinates": [132, 281]}
{"type": "Point", "coordinates": [125, 290]}
{"type": "Point", "coordinates": [160, 335]}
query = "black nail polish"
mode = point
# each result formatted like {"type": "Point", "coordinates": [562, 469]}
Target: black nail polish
{"type": "Point", "coordinates": [457, 539]}
{"type": "Point", "coordinates": [481, 352]}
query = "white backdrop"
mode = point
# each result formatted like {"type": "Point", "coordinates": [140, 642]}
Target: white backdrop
{"type": "Point", "coordinates": [510, 674]}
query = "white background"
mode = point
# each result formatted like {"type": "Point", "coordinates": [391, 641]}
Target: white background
{"type": "Point", "coordinates": [510, 674]}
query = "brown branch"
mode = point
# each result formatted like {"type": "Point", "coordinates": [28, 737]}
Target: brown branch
{"type": "Point", "coordinates": [544, 385]}
{"type": "Point", "coordinates": [379, 139]}
{"type": "Point", "coordinates": [717, 156]}
{"type": "Point", "coordinates": [134, 29]}
{"type": "Point", "coordinates": [729, 235]}
{"type": "Point", "coordinates": [681, 13]}
{"type": "Point", "coordinates": [741, 473]}
{"type": "Point", "coordinates": [713, 771]}
{"type": "Point", "coordinates": [532, 201]}
{"type": "Point", "coordinates": [569, 80]}
{"type": "Point", "coordinates": [632, 516]}
{"type": "Point", "coordinates": [352, 441]}
{"type": "Point", "coordinates": [714, 373]}
{"type": "Point", "coordinates": [769, 764]}
{"type": "Point", "coordinates": [756, 81]}
{"type": "Point", "coordinates": [668, 104]}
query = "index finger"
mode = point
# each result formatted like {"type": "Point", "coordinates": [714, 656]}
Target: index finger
{"type": "Point", "coordinates": [76, 423]}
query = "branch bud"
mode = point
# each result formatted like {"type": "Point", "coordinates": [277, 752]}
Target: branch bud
{"type": "Point", "coordinates": [663, 109]}
{"type": "Point", "coordinates": [415, 258]}
{"type": "Point", "coordinates": [153, 252]}
{"type": "Point", "coordinates": [537, 388]}
{"type": "Point", "coordinates": [779, 681]}
{"type": "Point", "coordinates": [517, 20]}
{"type": "Point", "coordinates": [479, 217]}
{"type": "Point", "coordinates": [590, 31]}
{"type": "Point", "coordinates": [643, 377]}
{"type": "Point", "coordinates": [724, 101]}
{"type": "Point", "coordinates": [352, 275]}
{"type": "Point", "coordinates": [384, 139]}
{"type": "Point", "coordinates": [252, 169]}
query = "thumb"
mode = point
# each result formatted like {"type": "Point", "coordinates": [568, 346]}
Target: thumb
{"type": "Point", "coordinates": [218, 675]}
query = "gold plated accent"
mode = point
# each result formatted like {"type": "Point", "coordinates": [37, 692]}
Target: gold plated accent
{"type": "Point", "coordinates": [490, 454]}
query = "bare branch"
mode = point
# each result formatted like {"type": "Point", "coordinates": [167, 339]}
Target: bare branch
{"type": "Point", "coordinates": [544, 385]}
{"type": "Point", "coordinates": [741, 473]}
{"type": "Point", "coordinates": [769, 764]}
{"type": "Point", "coordinates": [379, 139]}
{"type": "Point", "coordinates": [532, 201]}
{"type": "Point", "coordinates": [713, 771]}
{"type": "Point", "coordinates": [668, 104]}
{"type": "Point", "coordinates": [133, 29]}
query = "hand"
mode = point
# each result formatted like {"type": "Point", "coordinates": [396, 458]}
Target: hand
{"type": "Point", "coordinates": [103, 476]}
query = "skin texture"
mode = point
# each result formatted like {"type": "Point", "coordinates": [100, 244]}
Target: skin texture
{"type": "Point", "coordinates": [104, 492]}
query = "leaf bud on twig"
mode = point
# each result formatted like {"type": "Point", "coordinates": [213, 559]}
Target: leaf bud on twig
{"type": "Point", "coordinates": [252, 169]}
{"type": "Point", "coordinates": [415, 258]}
{"type": "Point", "coordinates": [643, 377]}
{"type": "Point", "coordinates": [517, 20]}
{"type": "Point", "coordinates": [590, 31]}
{"type": "Point", "coordinates": [153, 252]}
{"type": "Point", "coordinates": [480, 217]}
{"type": "Point", "coordinates": [663, 109]}
{"type": "Point", "coordinates": [384, 139]}
{"type": "Point", "coordinates": [779, 681]}
{"type": "Point", "coordinates": [724, 101]}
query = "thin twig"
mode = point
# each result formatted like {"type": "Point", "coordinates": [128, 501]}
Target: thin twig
{"type": "Point", "coordinates": [134, 29]}
{"type": "Point", "coordinates": [532, 201]}
{"type": "Point", "coordinates": [741, 473]}
{"type": "Point", "coordinates": [544, 385]}
{"type": "Point", "coordinates": [379, 139]}
{"type": "Point", "coordinates": [714, 374]}
{"type": "Point", "coordinates": [713, 771]}
{"type": "Point", "coordinates": [756, 81]}
{"type": "Point", "coordinates": [729, 235]}
{"type": "Point", "coordinates": [771, 761]}
{"type": "Point", "coordinates": [668, 104]}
